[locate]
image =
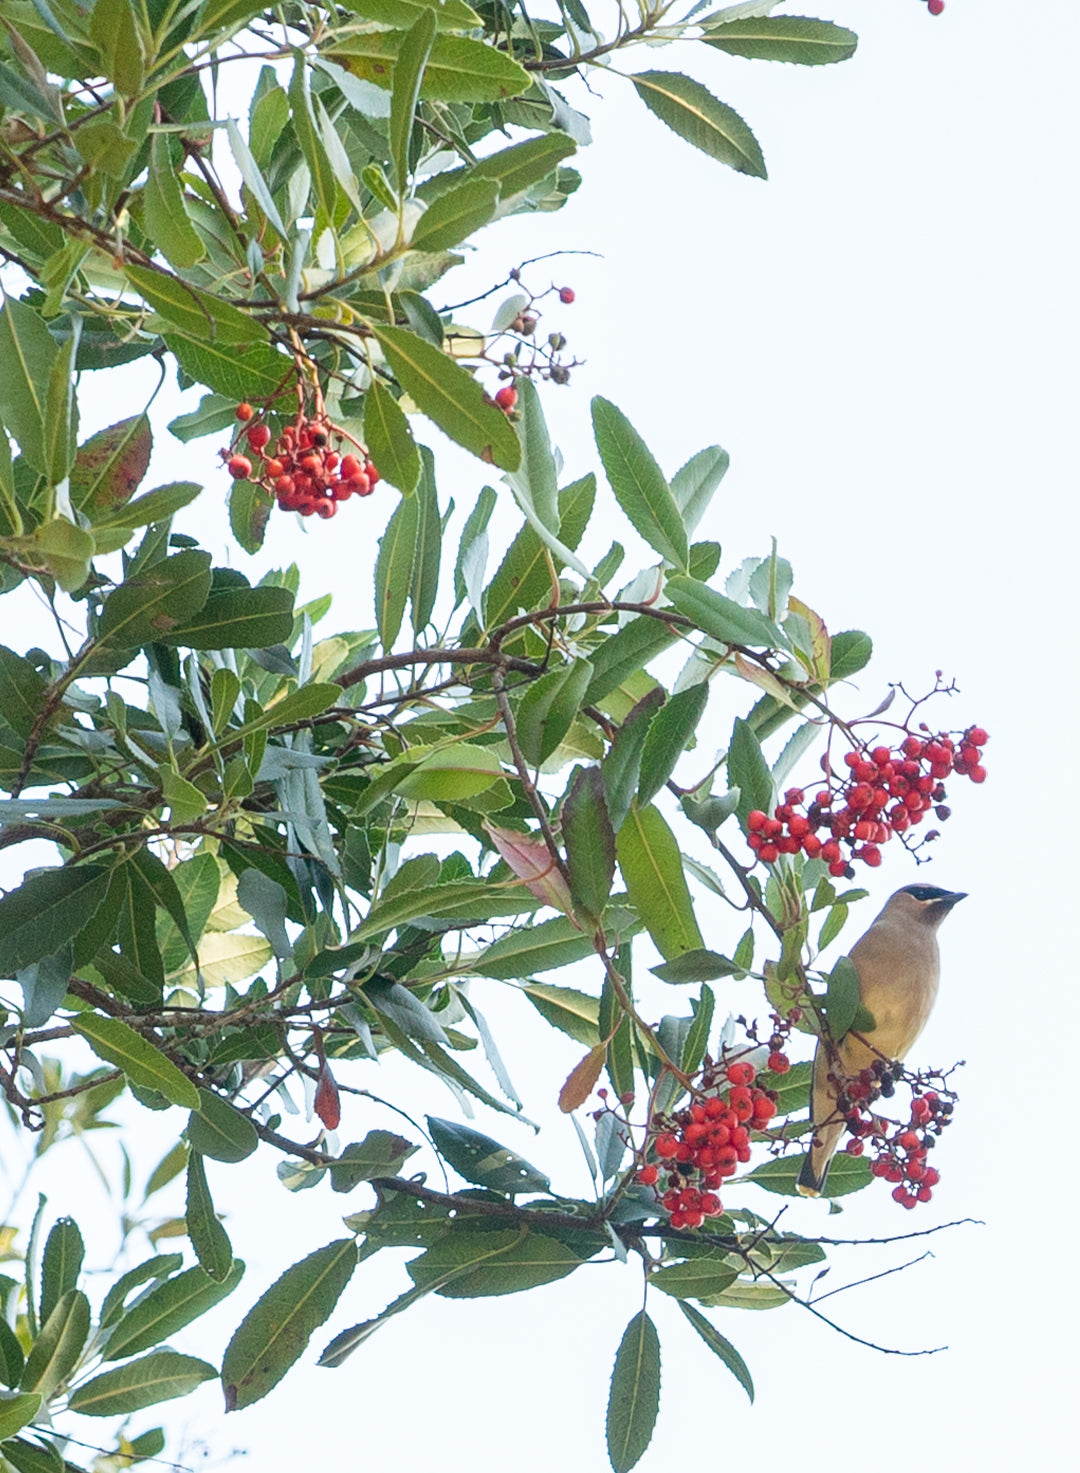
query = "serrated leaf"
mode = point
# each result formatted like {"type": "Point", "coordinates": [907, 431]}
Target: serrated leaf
{"type": "Point", "coordinates": [691, 111]}
{"type": "Point", "coordinates": [219, 1130]}
{"type": "Point", "coordinates": [842, 999]}
{"type": "Point", "coordinates": [787, 38]}
{"type": "Point", "coordinates": [168, 1308]}
{"type": "Point", "coordinates": [695, 1278]}
{"type": "Point", "coordinates": [670, 733]}
{"type": "Point", "coordinates": [449, 396]}
{"type": "Point", "coordinates": [46, 910]}
{"type": "Point", "coordinates": [17, 1411]}
{"type": "Point", "coordinates": [634, 1398]}
{"type": "Point", "coordinates": [60, 1264]}
{"type": "Point", "coordinates": [456, 215]}
{"type": "Point", "coordinates": [110, 466]}
{"type": "Point", "coordinates": [722, 618]}
{"type": "Point", "coordinates": [56, 1351]}
{"type": "Point", "coordinates": [389, 439]}
{"type": "Point", "coordinates": [196, 314]}
{"type": "Point", "coordinates": [162, 1376]}
{"type": "Point", "coordinates": [467, 1265]}
{"type": "Point", "coordinates": [274, 1333]}
{"type": "Point", "coordinates": [208, 1237]}
{"type": "Point", "coordinates": [720, 1346]}
{"type": "Point", "coordinates": [652, 868]}
{"type": "Point", "coordinates": [459, 69]}
{"type": "Point", "coordinates": [748, 771]}
{"type": "Point", "coordinates": [581, 1081]}
{"type": "Point", "coordinates": [164, 215]}
{"type": "Point", "coordinates": [549, 707]}
{"type": "Point", "coordinates": [236, 618]}
{"type": "Point", "coordinates": [118, 1044]}
{"type": "Point", "coordinates": [846, 1174]}
{"type": "Point", "coordinates": [638, 482]}
{"type": "Point", "coordinates": [486, 1162]}
{"type": "Point", "coordinates": [701, 965]}
{"type": "Point", "coordinates": [590, 842]}
{"type": "Point", "coordinates": [694, 484]}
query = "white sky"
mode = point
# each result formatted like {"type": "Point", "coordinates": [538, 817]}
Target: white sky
{"type": "Point", "coordinates": [880, 336]}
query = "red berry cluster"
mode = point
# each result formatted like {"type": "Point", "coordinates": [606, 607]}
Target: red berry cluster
{"type": "Point", "coordinates": [304, 473]}
{"type": "Point", "coordinates": [900, 1151]}
{"type": "Point", "coordinates": [886, 791]}
{"type": "Point", "coordinates": [698, 1146]}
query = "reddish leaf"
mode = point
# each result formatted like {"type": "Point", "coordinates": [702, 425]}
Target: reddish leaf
{"type": "Point", "coordinates": [327, 1099]}
{"type": "Point", "coordinates": [529, 858]}
{"type": "Point", "coordinates": [110, 465]}
{"type": "Point", "coordinates": [581, 1081]}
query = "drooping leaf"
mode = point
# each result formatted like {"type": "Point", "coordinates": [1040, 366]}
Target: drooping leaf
{"type": "Point", "coordinates": [652, 868]}
{"type": "Point", "coordinates": [590, 842]}
{"type": "Point", "coordinates": [459, 69]}
{"type": "Point", "coordinates": [634, 1398]}
{"type": "Point", "coordinates": [691, 111]}
{"type": "Point", "coordinates": [846, 1174]}
{"type": "Point", "coordinates": [720, 1346]}
{"type": "Point", "coordinates": [670, 732]}
{"type": "Point", "coordinates": [275, 1331]}
{"type": "Point", "coordinates": [219, 1130]}
{"type": "Point", "coordinates": [47, 909]}
{"type": "Point", "coordinates": [389, 439]}
{"type": "Point", "coordinates": [208, 1237]}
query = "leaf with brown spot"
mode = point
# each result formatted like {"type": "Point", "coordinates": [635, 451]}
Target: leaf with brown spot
{"type": "Point", "coordinates": [581, 1081]}
{"type": "Point", "coordinates": [110, 466]}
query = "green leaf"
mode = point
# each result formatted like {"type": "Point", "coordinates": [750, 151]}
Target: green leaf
{"type": "Point", "coordinates": [452, 773]}
{"type": "Point", "coordinates": [236, 618]}
{"type": "Point", "coordinates": [695, 1278]}
{"type": "Point", "coordinates": [38, 1456]}
{"type": "Point", "coordinates": [275, 1331]}
{"type": "Point", "coordinates": [164, 216]}
{"type": "Point", "coordinates": [60, 1264]}
{"type": "Point", "coordinates": [590, 842]}
{"type": "Point", "coordinates": [784, 38]}
{"type": "Point", "coordinates": [693, 486]}
{"type": "Point", "coordinates": [846, 1174]}
{"type": "Point", "coordinates": [484, 1161]}
{"type": "Point", "coordinates": [195, 314]}
{"type": "Point", "coordinates": [722, 618]}
{"type": "Point", "coordinates": [622, 764]}
{"type": "Point", "coordinates": [16, 1411]}
{"type": "Point", "coordinates": [389, 439]}
{"type": "Point", "coordinates": [154, 1268]}
{"type": "Point", "coordinates": [56, 1351]}
{"type": "Point", "coordinates": [156, 506]}
{"type": "Point", "coordinates": [263, 119]}
{"type": "Point", "coordinates": [543, 948]}
{"type": "Point", "coordinates": [162, 1376]}
{"type": "Point", "coordinates": [151, 604]}
{"type": "Point", "coordinates": [452, 15]}
{"type": "Point", "coordinates": [459, 69]}
{"type": "Point", "coordinates": [625, 654]}
{"type": "Point", "coordinates": [691, 111]}
{"type": "Point", "coordinates": [638, 483]}
{"type": "Point", "coordinates": [652, 868]}
{"type": "Point", "coordinates": [450, 397]}
{"type": "Point", "coordinates": [695, 966]}
{"type": "Point", "coordinates": [670, 733]}
{"type": "Point", "coordinates": [47, 909]}
{"type": "Point", "coordinates": [208, 1237]}
{"type": "Point", "coordinates": [393, 570]}
{"type": "Point", "coordinates": [697, 1038]}
{"type": "Point", "coordinates": [252, 370]}
{"type": "Point", "coordinates": [469, 1265]}
{"type": "Point", "coordinates": [720, 1346]}
{"type": "Point", "coordinates": [851, 651]}
{"type": "Point", "coordinates": [114, 31]}
{"type": "Point", "coordinates": [535, 482]}
{"type": "Point", "coordinates": [27, 355]}
{"type": "Point", "coordinates": [842, 1000]}
{"type": "Point", "coordinates": [549, 707]}
{"type": "Point", "coordinates": [748, 771]}
{"type": "Point", "coordinates": [12, 1359]}
{"type": "Point", "coordinates": [412, 55]}
{"type": "Point", "coordinates": [514, 169]}
{"type": "Point", "coordinates": [380, 1153]}
{"type": "Point", "coordinates": [219, 1130]}
{"type": "Point", "coordinates": [424, 579]}
{"type": "Point", "coordinates": [634, 1398]}
{"type": "Point", "coordinates": [311, 143]}
{"type": "Point", "coordinates": [168, 1308]}
{"type": "Point", "coordinates": [22, 692]}
{"type": "Point", "coordinates": [456, 215]}
{"type": "Point", "coordinates": [144, 1065]}
{"type": "Point", "coordinates": [522, 579]}
{"type": "Point", "coordinates": [573, 1013]}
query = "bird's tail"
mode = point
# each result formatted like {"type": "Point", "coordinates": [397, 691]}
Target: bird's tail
{"type": "Point", "coordinates": [815, 1166]}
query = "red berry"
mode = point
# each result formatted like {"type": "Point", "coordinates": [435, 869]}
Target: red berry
{"type": "Point", "coordinates": [935, 7]}
{"type": "Point", "coordinates": [856, 1148]}
{"type": "Point", "coordinates": [349, 467]}
{"type": "Point", "coordinates": [978, 737]}
{"type": "Point", "coordinates": [666, 1146]}
{"type": "Point", "coordinates": [239, 467]}
{"type": "Point", "coordinates": [507, 397]}
{"type": "Point", "coordinates": [769, 853]}
{"type": "Point", "coordinates": [371, 472]}
{"type": "Point", "coordinates": [977, 774]}
{"type": "Point", "coordinates": [756, 820]}
{"type": "Point", "coordinates": [325, 508]}
{"type": "Point", "coordinates": [244, 412]}
{"type": "Point", "coordinates": [566, 295]}
{"type": "Point", "coordinates": [779, 1063]}
{"type": "Point", "coordinates": [870, 854]}
{"type": "Point", "coordinates": [740, 1074]}
{"type": "Point", "coordinates": [647, 1176]}
{"type": "Point", "coordinates": [258, 437]}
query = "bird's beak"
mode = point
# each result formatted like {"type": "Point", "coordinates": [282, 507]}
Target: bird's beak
{"type": "Point", "coordinates": [948, 901]}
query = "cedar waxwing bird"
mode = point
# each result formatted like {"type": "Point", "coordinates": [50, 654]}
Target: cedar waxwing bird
{"type": "Point", "coordinates": [897, 966]}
